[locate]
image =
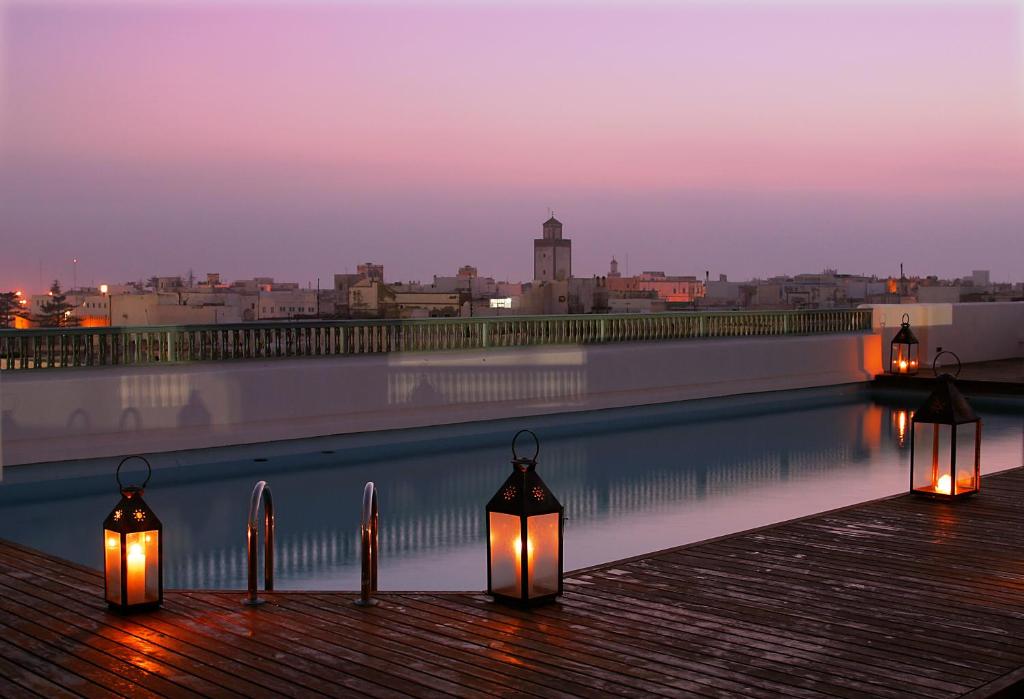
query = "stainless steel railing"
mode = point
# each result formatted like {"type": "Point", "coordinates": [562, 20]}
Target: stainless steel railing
{"type": "Point", "coordinates": [50, 348]}
{"type": "Point", "coordinates": [260, 493]}
{"type": "Point", "coordinates": [369, 545]}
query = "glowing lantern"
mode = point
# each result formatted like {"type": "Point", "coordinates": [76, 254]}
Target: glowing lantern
{"type": "Point", "coordinates": [133, 550]}
{"type": "Point", "coordinates": [945, 443]}
{"type": "Point", "coordinates": [904, 351]}
{"type": "Point", "coordinates": [524, 536]}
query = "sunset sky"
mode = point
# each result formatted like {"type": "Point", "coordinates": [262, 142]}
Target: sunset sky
{"type": "Point", "coordinates": [297, 140]}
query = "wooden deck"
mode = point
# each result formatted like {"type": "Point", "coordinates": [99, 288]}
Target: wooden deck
{"type": "Point", "coordinates": [898, 598]}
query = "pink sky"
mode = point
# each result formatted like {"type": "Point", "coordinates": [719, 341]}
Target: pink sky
{"type": "Point", "coordinates": [298, 140]}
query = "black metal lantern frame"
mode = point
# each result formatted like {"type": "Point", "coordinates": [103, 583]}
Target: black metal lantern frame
{"type": "Point", "coordinates": [904, 350]}
{"type": "Point", "coordinates": [133, 549]}
{"type": "Point", "coordinates": [945, 442]}
{"type": "Point", "coordinates": [525, 524]}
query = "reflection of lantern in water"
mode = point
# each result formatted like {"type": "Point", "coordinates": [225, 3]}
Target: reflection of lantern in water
{"type": "Point", "coordinates": [945, 443]}
{"type": "Point", "coordinates": [132, 550]}
{"type": "Point", "coordinates": [524, 536]}
{"type": "Point", "coordinates": [901, 426]}
{"type": "Point", "coordinates": [904, 350]}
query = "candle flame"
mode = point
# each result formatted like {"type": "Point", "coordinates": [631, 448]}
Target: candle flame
{"type": "Point", "coordinates": [111, 542]}
{"type": "Point", "coordinates": [518, 546]}
{"type": "Point", "coordinates": [943, 486]}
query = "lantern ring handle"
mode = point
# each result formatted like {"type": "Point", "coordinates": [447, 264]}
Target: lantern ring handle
{"type": "Point", "coordinates": [536, 443]}
{"type": "Point", "coordinates": [149, 470]}
{"type": "Point", "coordinates": [906, 319]}
{"type": "Point", "coordinates": [959, 365]}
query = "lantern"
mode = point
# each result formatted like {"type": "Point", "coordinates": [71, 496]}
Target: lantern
{"type": "Point", "coordinates": [524, 536]}
{"type": "Point", "coordinates": [945, 443]}
{"type": "Point", "coordinates": [904, 350]}
{"type": "Point", "coordinates": [133, 550]}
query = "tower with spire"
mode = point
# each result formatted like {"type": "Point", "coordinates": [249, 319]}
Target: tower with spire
{"type": "Point", "coordinates": [552, 254]}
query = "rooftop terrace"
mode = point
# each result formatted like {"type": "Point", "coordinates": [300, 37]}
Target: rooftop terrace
{"type": "Point", "coordinates": [899, 598]}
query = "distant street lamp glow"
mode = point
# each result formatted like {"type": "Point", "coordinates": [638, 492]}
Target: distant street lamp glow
{"type": "Point", "coordinates": [103, 288]}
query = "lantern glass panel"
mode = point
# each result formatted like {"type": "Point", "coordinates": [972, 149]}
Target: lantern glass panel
{"type": "Point", "coordinates": [506, 554]}
{"type": "Point", "coordinates": [904, 358]}
{"type": "Point", "coordinates": [933, 458]}
{"type": "Point", "coordinates": [142, 567]}
{"type": "Point", "coordinates": [112, 564]}
{"type": "Point", "coordinates": [966, 457]}
{"type": "Point", "coordinates": [542, 551]}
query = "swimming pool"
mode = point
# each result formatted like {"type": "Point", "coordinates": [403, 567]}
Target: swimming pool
{"type": "Point", "coordinates": [632, 481]}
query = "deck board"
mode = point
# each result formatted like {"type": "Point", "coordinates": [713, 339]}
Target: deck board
{"type": "Point", "coordinates": [893, 598]}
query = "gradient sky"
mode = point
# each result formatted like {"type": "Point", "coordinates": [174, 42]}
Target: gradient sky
{"type": "Point", "coordinates": [297, 140]}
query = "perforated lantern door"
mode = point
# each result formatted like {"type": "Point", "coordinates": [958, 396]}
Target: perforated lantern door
{"type": "Point", "coordinates": [945, 444]}
{"type": "Point", "coordinates": [904, 350]}
{"type": "Point", "coordinates": [524, 537]}
{"type": "Point", "coordinates": [133, 550]}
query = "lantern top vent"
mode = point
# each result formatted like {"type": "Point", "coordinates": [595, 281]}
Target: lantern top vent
{"type": "Point", "coordinates": [524, 492]}
{"type": "Point", "coordinates": [905, 336]}
{"type": "Point", "coordinates": [132, 514]}
{"type": "Point", "coordinates": [946, 405]}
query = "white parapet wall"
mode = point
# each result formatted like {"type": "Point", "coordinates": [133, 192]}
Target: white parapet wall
{"type": "Point", "coordinates": [976, 332]}
{"type": "Point", "coordinates": [96, 412]}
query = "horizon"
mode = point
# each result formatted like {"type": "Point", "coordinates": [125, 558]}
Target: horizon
{"type": "Point", "coordinates": [750, 139]}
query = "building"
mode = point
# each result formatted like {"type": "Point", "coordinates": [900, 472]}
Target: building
{"type": "Point", "coordinates": [668, 288]}
{"type": "Point", "coordinates": [426, 304]}
{"type": "Point", "coordinates": [552, 254]}
{"type": "Point", "coordinates": [371, 271]}
{"type": "Point", "coordinates": [369, 298]}
{"type": "Point", "coordinates": [287, 304]}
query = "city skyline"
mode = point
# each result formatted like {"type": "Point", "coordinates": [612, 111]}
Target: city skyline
{"type": "Point", "coordinates": [281, 140]}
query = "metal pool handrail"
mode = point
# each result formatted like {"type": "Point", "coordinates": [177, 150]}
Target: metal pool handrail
{"type": "Point", "coordinates": [260, 493]}
{"type": "Point", "coordinates": [369, 538]}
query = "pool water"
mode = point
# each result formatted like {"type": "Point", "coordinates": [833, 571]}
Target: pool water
{"type": "Point", "coordinates": [632, 481]}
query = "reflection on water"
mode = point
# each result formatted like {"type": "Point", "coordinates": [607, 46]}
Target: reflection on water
{"type": "Point", "coordinates": [626, 492]}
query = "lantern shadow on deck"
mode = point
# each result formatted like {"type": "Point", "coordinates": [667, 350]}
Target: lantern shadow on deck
{"type": "Point", "coordinates": [945, 442]}
{"type": "Point", "coordinates": [904, 350]}
{"type": "Point", "coordinates": [524, 536]}
{"type": "Point", "coordinates": [133, 550]}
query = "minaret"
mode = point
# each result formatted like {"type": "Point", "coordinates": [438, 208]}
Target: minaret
{"type": "Point", "coordinates": [613, 269]}
{"type": "Point", "coordinates": [552, 254]}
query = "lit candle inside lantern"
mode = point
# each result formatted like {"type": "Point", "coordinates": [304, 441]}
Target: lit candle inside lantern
{"type": "Point", "coordinates": [136, 571]}
{"type": "Point", "coordinates": [518, 547]}
{"type": "Point", "coordinates": [943, 486]}
{"type": "Point", "coordinates": [903, 365]}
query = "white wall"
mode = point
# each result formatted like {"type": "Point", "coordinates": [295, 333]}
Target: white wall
{"type": "Point", "coordinates": [83, 413]}
{"type": "Point", "coordinates": [977, 332]}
